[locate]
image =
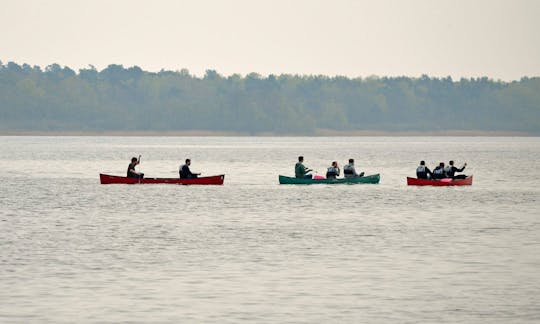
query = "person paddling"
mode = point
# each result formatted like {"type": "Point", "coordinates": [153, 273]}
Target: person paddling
{"type": "Point", "coordinates": [423, 172]}
{"type": "Point", "coordinates": [438, 172]}
{"type": "Point", "coordinates": [451, 170]}
{"type": "Point", "coordinates": [300, 171]}
{"type": "Point", "coordinates": [349, 171]}
{"type": "Point", "coordinates": [333, 171]}
{"type": "Point", "coordinates": [185, 172]}
{"type": "Point", "coordinates": [131, 173]}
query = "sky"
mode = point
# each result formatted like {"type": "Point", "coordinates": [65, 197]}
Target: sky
{"type": "Point", "coordinates": [499, 39]}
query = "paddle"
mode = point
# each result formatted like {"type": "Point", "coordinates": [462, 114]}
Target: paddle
{"type": "Point", "coordinates": [139, 162]}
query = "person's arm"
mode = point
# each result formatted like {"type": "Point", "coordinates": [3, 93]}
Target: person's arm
{"type": "Point", "coordinates": [137, 163]}
{"type": "Point", "coordinates": [191, 173]}
{"type": "Point", "coordinates": [185, 170]}
{"type": "Point", "coordinates": [132, 169]}
{"type": "Point", "coordinates": [428, 171]}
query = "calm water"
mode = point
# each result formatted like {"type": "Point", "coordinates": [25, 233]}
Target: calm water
{"type": "Point", "coordinates": [73, 250]}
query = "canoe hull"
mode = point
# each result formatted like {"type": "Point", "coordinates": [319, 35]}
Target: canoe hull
{"type": "Point", "coordinates": [375, 178]}
{"type": "Point", "coordinates": [440, 183]}
{"type": "Point", "coordinates": [111, 179]}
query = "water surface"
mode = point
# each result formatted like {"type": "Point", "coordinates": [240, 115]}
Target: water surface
{"type": "Point", "coordinates": [254, 251]}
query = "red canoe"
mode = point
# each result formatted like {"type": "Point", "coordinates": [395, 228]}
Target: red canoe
{"type": "Point", "coordinates": [213, 180]}
{"type": "Point", "coordinates": [443, 182]}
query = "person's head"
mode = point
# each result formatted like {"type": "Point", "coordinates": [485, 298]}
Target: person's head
{"type": "Point", "coordinates": [188, 161]}
{"type": "Point", "coordinates": [134, 160]}
{"type": "Point", "coordinates": [300, 159]}
{"type": "Point", "coordinates": [422, 162]}
{"type": "Point", "coordinates": [441, 164]}
{"type": "Point", "coordinates": [334, 164]}
{"type": "Point", "coordinates": [451, 162]}
{"type": "Point", "coordinates": [351, 161]}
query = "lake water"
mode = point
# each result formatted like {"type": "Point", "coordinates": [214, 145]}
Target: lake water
{"type": "Point", "coordinates": [73, 250]}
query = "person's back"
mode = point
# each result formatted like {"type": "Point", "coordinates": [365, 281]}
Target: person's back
{"type": "Point", "coordinates": [333, 171]}
{"type": "Point", "coordinates": [438, 172]}
{"type": "Point", "coordinates": [131, 173]}
{"type": "Point", "coordinates": [300, 171]}
{"type": "Point", "coordinates": [185, 172]}
{"type": "Point", "coordinates": [131, 170]}
{"type": "Point", "coordinates": [451, 171]}
{"type": "Point", "coordinates": [349, 171]}
{"type": "Point", "coordinates": [448, 173]}
{"type": "Point", "coordinates": [422, 171]}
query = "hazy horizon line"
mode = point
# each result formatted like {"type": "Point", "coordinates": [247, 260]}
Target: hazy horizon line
{"type": "Point", "coordinates": [190, 73]}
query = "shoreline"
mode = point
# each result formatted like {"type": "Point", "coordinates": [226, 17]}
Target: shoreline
{"type": "Point", "coordinates": [318, 133]}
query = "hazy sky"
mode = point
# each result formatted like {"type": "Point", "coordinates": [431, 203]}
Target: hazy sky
{"type": "Point", "coordinates": [470, 38]}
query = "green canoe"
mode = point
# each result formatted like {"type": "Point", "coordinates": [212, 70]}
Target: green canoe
{"type": "Point", "coordinates": [374, 178]}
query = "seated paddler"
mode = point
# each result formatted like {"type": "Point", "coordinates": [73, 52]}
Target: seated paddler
{"type": "Point", "coordinates": [333, 171]}
{"type": "Point", "coordinates": [185, 172]}
{"type": "Point", "coordinates": [300, 171]}
{"type": "Point", "coordinates": [349, 170]}
{"type": "Point", "coordinates": [451, 170]}
{"type": "Point", "coordinates": [438, 172]}
{"type": "Point", "coordinates": [131, 172]}
{"type": "Point", "coordinates": [423, 172]}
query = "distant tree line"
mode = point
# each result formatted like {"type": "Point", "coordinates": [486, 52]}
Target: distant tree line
{"type": "Point", "coordinates": [57, 98]}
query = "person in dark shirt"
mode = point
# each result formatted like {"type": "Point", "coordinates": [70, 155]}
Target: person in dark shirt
{"type": "Point", "coordinates": [438, 172]}
{"type": "Point", "coordinates": [423, 172]}
{"type": "Point", "coordinates": [131, 173]}
{"type": "Point", "coordinates": [333, 171]}
{"type": "Point", "coordinates": [349, 171]}
{"type": "Point", "coordinates": [451, 170]}
{"type": "Point", "coordinates": [185, 172]}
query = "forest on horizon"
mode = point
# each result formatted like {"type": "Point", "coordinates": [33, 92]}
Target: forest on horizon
{"type": "Point", "coordinates": [57, 98]}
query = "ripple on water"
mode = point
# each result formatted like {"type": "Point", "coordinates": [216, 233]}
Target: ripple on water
{"type": "Point", "coordinates": [254, 251]}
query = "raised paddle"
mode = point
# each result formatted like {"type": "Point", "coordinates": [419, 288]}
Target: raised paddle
{"type": "Point", "coordinates": [139, 162]}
